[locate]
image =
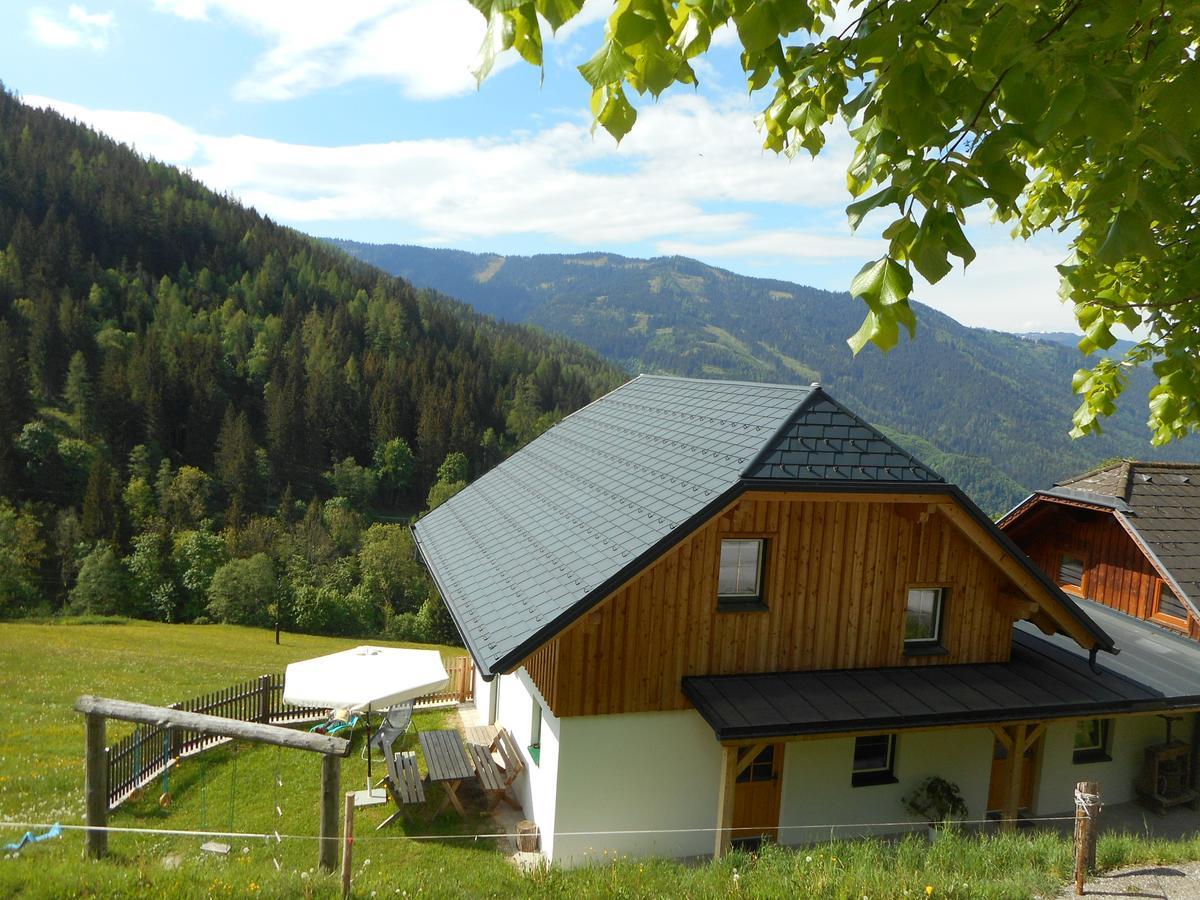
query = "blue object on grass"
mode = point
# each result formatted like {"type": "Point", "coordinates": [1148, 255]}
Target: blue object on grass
{"type": "Point", "coordinates": [31, 838]}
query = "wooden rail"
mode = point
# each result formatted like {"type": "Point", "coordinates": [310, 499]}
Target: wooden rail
{"type": "Point", "coordinates": [141, 757]}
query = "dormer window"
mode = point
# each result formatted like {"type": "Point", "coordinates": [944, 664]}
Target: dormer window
{"type": "Point", "coordinates": [740, 581]}
{"type": "Point", "coordinates": [1070, 572]}
{"type": "Point", "coordinates": [1168, 607]}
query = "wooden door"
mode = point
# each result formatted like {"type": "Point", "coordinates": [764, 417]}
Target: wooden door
{"type": "Point", "coordinates": [756, 797]}
{"type": "Point", "coordinates": [998, 787]}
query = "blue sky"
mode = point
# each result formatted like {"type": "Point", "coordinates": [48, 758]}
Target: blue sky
{"type": "Point", "coordinates": [361, 120]}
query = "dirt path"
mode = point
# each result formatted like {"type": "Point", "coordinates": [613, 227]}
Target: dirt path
{"type": "Point", "coordinates": [1178, 882]}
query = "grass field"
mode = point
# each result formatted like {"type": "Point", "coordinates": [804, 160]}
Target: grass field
{"type": "Point", "coordinates": [44, 667]}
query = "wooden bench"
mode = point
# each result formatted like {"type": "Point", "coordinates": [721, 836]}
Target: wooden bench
{"type": "Point", "coordinates": [404, 783]}
{"type": "Point", "coordinates": [497, 778]}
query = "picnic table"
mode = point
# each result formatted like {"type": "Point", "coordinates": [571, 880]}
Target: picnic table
{"type": "Point", "coordinates": [447, 762]}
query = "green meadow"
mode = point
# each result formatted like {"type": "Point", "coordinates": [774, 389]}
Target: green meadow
{"type": "Point", "coordinates": [45, 666]}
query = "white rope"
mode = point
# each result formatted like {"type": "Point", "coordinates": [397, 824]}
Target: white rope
{"type": "Point", "coordinates": [277, 837]}
{"type": "Point", "coordinates": [1089, 803]}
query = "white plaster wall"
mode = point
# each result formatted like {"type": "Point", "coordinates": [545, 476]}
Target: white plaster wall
{"type": "Point", "coordinates": [817, 790]}
{"type": "Point", "coordinates": [483, 692]}
{"type": "Point", "coordinates": [1130, 735]}
{"type": "Point", "coordinates": [536, 788]}
{"type": "Point", "coordinates": [648, 771]}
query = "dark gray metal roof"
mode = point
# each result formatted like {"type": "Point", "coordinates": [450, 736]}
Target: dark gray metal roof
{"type": "Point", "coordinates": [533, 544]}
{"type": "Point", "coordinates": [1047, 677]}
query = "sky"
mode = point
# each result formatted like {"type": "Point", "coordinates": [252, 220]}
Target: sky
{"type": "Point", "coordinates": [362, 120]}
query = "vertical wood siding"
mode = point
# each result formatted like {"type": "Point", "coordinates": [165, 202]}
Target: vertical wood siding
{"type": "Point", "coordinates": [836, 588]}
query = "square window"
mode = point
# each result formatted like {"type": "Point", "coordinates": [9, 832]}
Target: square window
{"type": "Point", "coordinates": [739, 582]}
{"type": "Point", "coordinates": [1092, 741]}
{"type": "Point", "coordinates": [874, 760]}
{"type": "Point", "coordinates": [1070, 571]}
{"type": "Point", "coordinates": [923, 617]}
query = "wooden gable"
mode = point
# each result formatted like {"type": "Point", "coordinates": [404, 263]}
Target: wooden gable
{"type": "Point", "coordinates": [1116, 568]}
{"type": "Point", "coordinates": [838, 571]}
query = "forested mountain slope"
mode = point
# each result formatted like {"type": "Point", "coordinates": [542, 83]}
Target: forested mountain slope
{"type": "Point", "coordinates": [185, 386]}
{"type": "Point", "coordinates": [989, 410]}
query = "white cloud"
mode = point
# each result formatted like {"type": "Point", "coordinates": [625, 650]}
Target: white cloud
{"type": "Point", "coordinates": [1011, 285]}
{"type": "Point", "coordinates": [428, 47]}
{"type": "Point", "coordinates": [808, 245]}
{"type": "Point", "coordinates": [561, 183]}
{"type": "Point", "coordinates": [78, 28]}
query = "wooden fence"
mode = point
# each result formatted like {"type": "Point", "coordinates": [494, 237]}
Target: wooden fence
{"type": "Point", "coordinates": [140, 758]}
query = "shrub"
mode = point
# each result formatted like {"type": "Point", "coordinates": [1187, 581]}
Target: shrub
{"type": "Point", "coordinates": [242, 591]}
{"type": "Point", "coordinates": [104, 586]}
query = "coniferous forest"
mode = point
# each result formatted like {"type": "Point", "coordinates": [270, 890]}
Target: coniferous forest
{"type": "Point", "coordinates": [207, 416]}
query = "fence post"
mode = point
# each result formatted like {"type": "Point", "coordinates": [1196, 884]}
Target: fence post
{"type": "Point", "coordinates": [331, 776]}
{"type": "Point", "coordinates": [347, 843]}
{"type": "Point", "coordinates": [1087, 809]}
{"type": "Point", "coordinates": [264, 698]}
{"type": "Point", "coordinates": [96, 786]}
{"type": "Point", "coordinates": [462, 680]}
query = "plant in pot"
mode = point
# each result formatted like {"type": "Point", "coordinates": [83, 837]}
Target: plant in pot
{"type": "Point", "coordinates": [938, 802]}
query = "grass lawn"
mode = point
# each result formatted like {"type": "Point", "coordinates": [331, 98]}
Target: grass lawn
{"type": "Point", "coordinates": [44, 667]}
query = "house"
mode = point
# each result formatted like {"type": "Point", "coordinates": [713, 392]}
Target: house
{"type": "Point", "coordinates": [1126, 535]}
{"type": "Point", "coordinates": [716, 610]}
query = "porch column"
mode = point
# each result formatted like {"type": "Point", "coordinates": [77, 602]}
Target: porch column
{"type": "Point", "coordinates": [729, 766]}
{"type": "Point", "coordinates": [1017, 739]}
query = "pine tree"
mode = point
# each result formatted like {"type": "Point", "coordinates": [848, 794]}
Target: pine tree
{"type": "Point", "coordinates": [78, 394]}
{"type": "Point", "coordinates": [16, 405]}
{"type": "Point", "coordinates": [102, 503]}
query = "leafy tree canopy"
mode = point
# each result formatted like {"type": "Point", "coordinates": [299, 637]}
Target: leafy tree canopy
{"type": "Point", "coordinates": [1068, 115]}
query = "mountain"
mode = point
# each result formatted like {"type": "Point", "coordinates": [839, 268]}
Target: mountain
{"type": "Point", "coordinates": [989, 410]}
{"type": "Point", "coordinates": [185, 383]}
{"type": "Point", "coordinates": [1070, 339]}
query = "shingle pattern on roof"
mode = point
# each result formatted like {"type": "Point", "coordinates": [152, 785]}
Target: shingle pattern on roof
{"type": "Point", "coordinates": [1165, 504]}
{"type": "Point", "coordinates": [825, 441]}
{"type": "Point", "coordinates": [1045, 678]}
{"type": "Point", "coordinates": [528, 540]}
{"type": "Point", "coordinates": [1161, 503]}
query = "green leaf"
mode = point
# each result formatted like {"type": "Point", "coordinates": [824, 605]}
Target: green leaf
{"type": "Point", "coordinates": [527, 33]}
{"type": "Point", "coordinates": [1128, 233]}
{"type": "Point", "coordinates": [613, 111]}
{"type": "Point", "coordinates": [869, 280]}
{"type": "Point", "coordinates": [858, 209]}
{"type": "Point", "coordinates": [758, 27]}
{"type": "Point", "coordinates": [498, 38]}
{"type": "Point", "coordinates": [558, 12]}
{"type": "Point", "coordinates": [608, 66]}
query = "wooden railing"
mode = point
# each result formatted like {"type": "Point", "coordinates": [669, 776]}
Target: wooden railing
{"type": "Point", "coordinates": [142, 757]}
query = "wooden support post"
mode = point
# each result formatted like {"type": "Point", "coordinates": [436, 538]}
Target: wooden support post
{"type": "Point", "coordinates": [1087, 808]}
{"type": "Point", "coordinates": [1016, 769]}
{"type": "Point", "coordinates": [264, 698]}
{"type": "Point", "coordinates": [331, 777]}
{"type": "Point", "coordinates": [729, 761]}
{"type": "Point", "coordinates": [96, 786]}
{"type": "Point", "coordinates": [347, 843]}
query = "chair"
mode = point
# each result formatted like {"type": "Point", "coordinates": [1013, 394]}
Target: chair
{"type": "Point", "coordinates": [497, 778]}
{"type": "Point", "coordinates": [392, 728]}
{"type": "Point", "coordinates": [404, 784]}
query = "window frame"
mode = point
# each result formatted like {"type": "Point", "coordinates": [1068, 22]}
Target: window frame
{"type": "Point", "coordinates": [1101, 752]}
{"type": "Point", "coordinates": [1081, 555]}
{"type": "Point", "coordinates": [1164, 618]}
{"type": "Point", "coordinates": [756, 602]}
{"type": "Point", "coordinates": [871, 777]}
{"type": "Point", "coordinates": [926, 646]}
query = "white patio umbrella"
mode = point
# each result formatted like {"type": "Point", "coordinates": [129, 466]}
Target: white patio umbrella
{"type": "Point", "coordinates": [363, 679]}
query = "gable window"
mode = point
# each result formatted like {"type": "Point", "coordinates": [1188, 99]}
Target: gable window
{"type": "Point", "coordinates": [923, 619]}
{"type": "Point", "coordinates": [1169, 606]}
{"type": "Point", "coordinates": [740, 581]}
{"type": "Point", "coordinates": [874, 760]}
{"type": "Point", "coordinates": [1092, 741]}
{"type": "Point", "coordinates": [1070, 572]}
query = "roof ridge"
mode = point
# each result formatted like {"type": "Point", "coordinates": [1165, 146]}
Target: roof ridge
{"type": "Point", "coordinates": [789, 420]}
{"type": "Point", "coordinates": [765, 384]}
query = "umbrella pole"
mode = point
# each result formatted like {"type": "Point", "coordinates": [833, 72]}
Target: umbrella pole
{"type": "Point", "coordinates": [369, 754]}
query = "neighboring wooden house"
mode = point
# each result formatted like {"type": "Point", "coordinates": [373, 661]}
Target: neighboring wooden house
{"type": "Point", "coordinates": [1126, 535]}
{"type": "Point", "coordinates": [713, 610]}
